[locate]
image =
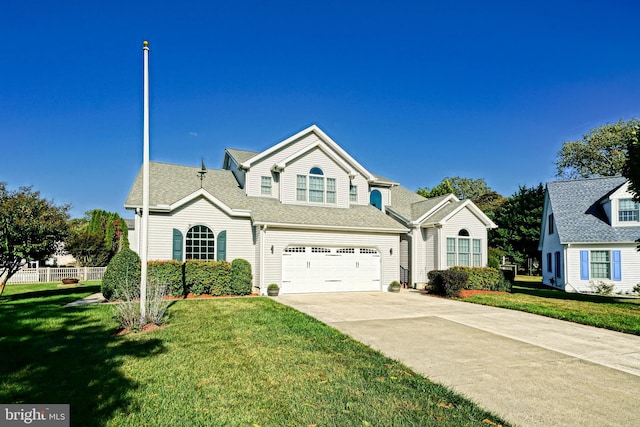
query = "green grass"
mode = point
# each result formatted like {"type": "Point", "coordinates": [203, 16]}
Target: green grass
{"type": "Point", "coordinates": [240, 361]}
{"type": "Point", "coordinates": [609, 312]}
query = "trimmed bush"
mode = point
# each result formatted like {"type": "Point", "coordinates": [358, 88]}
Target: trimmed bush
{"type": "Point", "coordinates": [220, 278]}
{"type": "Point", "coordinates": [198, 276]}
{"type": "Point", "coordinates": [241, 277]}
{"type": "Point", "coordinates": [168, 273]}
{"type": "Point", "coordinates": [122, 276]}
{"type": "Point", "coordinates": [485, 278]}
{"type": "Point", "coordinates": [447, 282]}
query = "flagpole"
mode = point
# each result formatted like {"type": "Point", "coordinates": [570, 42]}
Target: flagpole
{"type": "Point", "coordinates": [145, 189]}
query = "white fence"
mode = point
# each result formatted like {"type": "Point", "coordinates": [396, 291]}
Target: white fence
{"type": "Point", "coordinates": [45, 275]}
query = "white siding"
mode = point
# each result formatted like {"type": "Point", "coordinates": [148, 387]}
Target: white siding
{"type": "Point", "coordinates": [263, 167]}
{"type": "Point", "coordinates": [363, 189]}
{"type": "Point", "coordinates": [199, 212]}
{"type": "Point", "coordinates": [464, 219]}
{"type": "Point", "coordinates": [385, 192]}
{"type": "Point", "coordinates": [388, 245]}
{"type": "Point", "coordinates": [630, 263]}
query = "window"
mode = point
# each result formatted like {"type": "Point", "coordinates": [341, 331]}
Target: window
{"type": "Point", "coordinates": [627, 210]}
{"type": "Point", "coordinates": [550, 220]}
{"type": "Point", "coordinates": [200, 243]}
{"type": "Point", "coordinates": [477, 253]}
{"type": "Point", "coordinates": [463, 252]}
{"type": "Point", "coordinates": [549, 266]}
{"type": "Point", "coordinates": [301, 188]}
{"type": "Point", "coordinates": [353, 193]}
{"type": "Point", "coordinates": [451, 251]}
{"type": "Point", "coordinates": [600, 265]}
{"type": "Point", "coordinates": [266, 186]}
{"type": "Point", "coordinates": [320, 189]}
{"type": "Point", "coordinates": [558, 270]}
{"type": "Point", "coordinates": [316, 189]}
{"type": "Point", "coordinates": [331, 190]}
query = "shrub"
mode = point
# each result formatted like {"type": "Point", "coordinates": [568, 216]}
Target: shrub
{"type": "Point", "coordinates": [485, 278]}
{"type": "Point", "coordinates": [198, 276]}
{"type": "Point", "coordinates": [602, 288]}
{"type": "Point", "coordinates": [168, 273]}
{"type": "Point", "coordinates": [122, 276]}
{"type": "Point", "coordinates": [447, 282]}
{"type": "Point", "coordinates": [241, 277]}
{"type": "Point", "coordinates": [127, 312]}
{"type": "Point", "coordinates": [220, 278]}
{"type": "Point", "coordinates": [493, 262]}
{"type": "Point", "coordinates": [636, 289]}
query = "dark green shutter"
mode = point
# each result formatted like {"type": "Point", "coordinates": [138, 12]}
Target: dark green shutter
{"type": "Point", "coordinates": [222, 246]}
{"type": "Point", "coordinates": [177, 245]}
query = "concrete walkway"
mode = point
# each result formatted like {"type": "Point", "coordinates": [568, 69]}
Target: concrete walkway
{"type": "Point", "coordinates": [91, 299]}
{"type": "Point", "coordinates": [531, 370]}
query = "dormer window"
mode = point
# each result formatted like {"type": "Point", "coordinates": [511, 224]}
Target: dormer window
{"type": "Point", "coordinates": [315, 188]}
{"type": "Point", "coordinates": [628, 210]}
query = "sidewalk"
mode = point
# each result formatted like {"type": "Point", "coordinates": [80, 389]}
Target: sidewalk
{"type": "Point", "coordinates": [91, 299]}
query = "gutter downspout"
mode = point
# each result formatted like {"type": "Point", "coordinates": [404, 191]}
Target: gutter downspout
{"type": "Point", "coordinates": [414, 253]}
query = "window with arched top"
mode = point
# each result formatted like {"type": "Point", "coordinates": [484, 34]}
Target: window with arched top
{"type": "Point", "coordinates": [200, 243]}
{"type": "Point", "coordinates": [315, 188]}
{"type": "Point", "coordinates": [463, 250]}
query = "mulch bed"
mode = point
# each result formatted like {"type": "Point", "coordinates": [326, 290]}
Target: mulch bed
{"type": "Point", "coordinates": [466, 293]}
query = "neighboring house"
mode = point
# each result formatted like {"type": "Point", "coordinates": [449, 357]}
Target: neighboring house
{"type": "Point", "coordinates": [588, 234]}
{"type": "Point", "coordinates": [308, 217]}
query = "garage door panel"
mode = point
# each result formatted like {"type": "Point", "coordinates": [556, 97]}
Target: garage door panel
{"type": "Point", "coordinates": [321, 269]}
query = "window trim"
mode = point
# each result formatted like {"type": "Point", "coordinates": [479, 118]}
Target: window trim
{"type": "Point", "coordinates": [453, 256]}
{"type": "Point", "coordinates": [634, 213]}
{"type": "Point", "coordinates": [210, 239]}
{"type": "Point", "coordinates": [266, 182]}
{"type": "Point", "coordinates": [325, 193]}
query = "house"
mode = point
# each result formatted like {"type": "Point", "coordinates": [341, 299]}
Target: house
{"type": "Point", "coordinates": [588, 234]}
{"type": "Point", "coordinates": [308, 217]}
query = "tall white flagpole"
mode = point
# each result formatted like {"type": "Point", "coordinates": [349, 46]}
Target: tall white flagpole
{"type": "Point", "coordinates": [145, 189]}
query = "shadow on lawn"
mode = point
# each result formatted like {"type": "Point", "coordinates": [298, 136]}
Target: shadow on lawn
{"type": "Point", "coordinates": [52, 354]}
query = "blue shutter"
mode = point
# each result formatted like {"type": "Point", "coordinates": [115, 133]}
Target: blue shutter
{"type": "Point", "coordinates": [617, 266]}
{"type": "Point", "coordinates": [584, 265]}
{"type": "Point", "coordinates": [177, 245]}
{"type": "Point", "coordinates": [222, 246]}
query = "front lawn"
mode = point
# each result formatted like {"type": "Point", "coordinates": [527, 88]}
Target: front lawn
{"type": "Point", "coordinates": [241, 361]}
{"type": "Point", "coordinates": [609, 312]}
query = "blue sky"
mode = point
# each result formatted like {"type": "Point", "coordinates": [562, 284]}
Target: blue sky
{"type": "Point", "coordinates": [414, 90]}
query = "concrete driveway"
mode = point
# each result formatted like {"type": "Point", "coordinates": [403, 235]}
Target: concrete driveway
{"type": "Point", "coordinates": [531, 370]}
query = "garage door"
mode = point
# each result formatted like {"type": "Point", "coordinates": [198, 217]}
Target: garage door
{"type": "Point", "coordinates": [308, 269]}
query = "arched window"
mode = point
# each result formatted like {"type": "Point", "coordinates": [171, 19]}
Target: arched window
{"type": "Point", "coordinates": [463, 232]}
{"type": "Point", "coordinates": [316, 171]}
{"type": "Point", "coordinates": [200, 243]}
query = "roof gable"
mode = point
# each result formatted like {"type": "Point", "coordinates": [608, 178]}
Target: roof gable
{"type": "Point", "coordinates": [578, 211]}
{"type": "Point", "coordinates": [323, 138]}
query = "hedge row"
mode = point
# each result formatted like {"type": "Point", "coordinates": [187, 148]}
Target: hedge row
{"type": "Point", "coordinates": [181, 278]}
{"type": "Point", "coordinates": [450, 282]}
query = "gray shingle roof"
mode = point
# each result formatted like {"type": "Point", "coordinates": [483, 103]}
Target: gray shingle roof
{"type": "Point", "coordinates": [170, 183]}
{"type": "Point", "coordinates": [402, 200]}
{"type": "Point", "coordinates": [579, 215]}
{"type": "Point", "coordinates": [241, 155]}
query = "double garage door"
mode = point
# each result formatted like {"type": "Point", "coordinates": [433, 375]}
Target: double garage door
{"type": "Point", "coordinates": [308, 269]}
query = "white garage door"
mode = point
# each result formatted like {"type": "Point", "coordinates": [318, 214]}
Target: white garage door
{"type": "Point", "coordinates": [320, 269]}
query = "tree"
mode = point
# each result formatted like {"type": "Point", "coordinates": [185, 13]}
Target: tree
{"type": "Point", "coordinates": [97, 237]}
{"type": "Point", "coordinates": [441, 189]}
{"type": "Point", "coordinates": [468, 188]}
{"type": "Point", "coordinates": [601, 152]}
{"type": "Point", "coordinates": [489, 203]}
{"type": "Point", "coordinates": [631, 168]}
{"type": "Point", "coordinates": [30, 229]}
{"type": "Point", "coordinates": [519, 220]}
{"type": "Point", "coordinates": [462, 188]}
